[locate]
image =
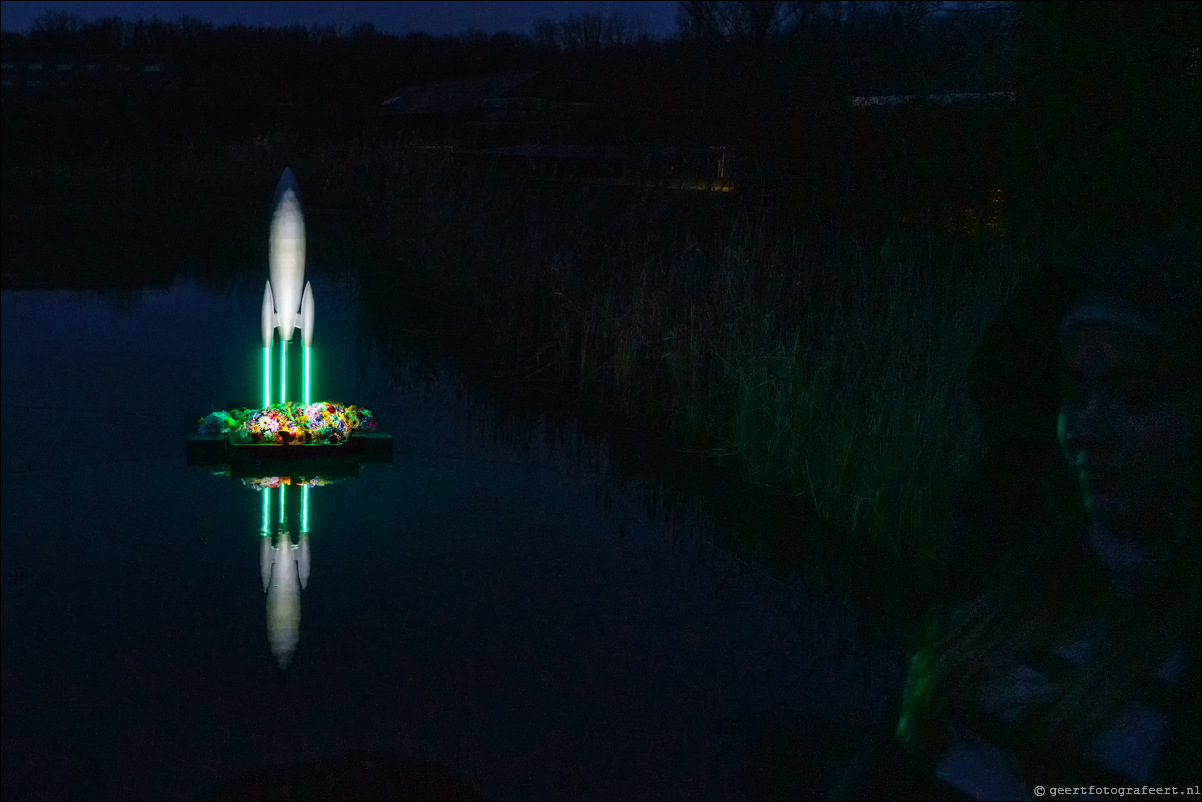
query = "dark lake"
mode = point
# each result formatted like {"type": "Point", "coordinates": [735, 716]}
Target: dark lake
{"type": "Point", "coordinates": [493, 600]}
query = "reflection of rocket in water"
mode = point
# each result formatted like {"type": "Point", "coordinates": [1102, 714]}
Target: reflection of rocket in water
{"type": "Point", "coordinates": [285, 570]}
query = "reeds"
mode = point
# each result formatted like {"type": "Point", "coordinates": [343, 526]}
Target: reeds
{"type": "Point", "coordinates": [816, 364]}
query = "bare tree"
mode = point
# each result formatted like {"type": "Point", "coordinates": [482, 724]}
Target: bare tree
{"type": "Point", "coordinates": [585, 33]}
{"type": "Point", "coordinates": [755, 21]}
{"type": "Point", "coordinates": [108, 35]}
{"type": "Point", "coordinates": [546, 35]}
{"type": "Point", "coordinates": [363, 30]}
{"type": "Point", "coordinates": [589, 33]}
{"type": "Point", "coordinates": [622, 30]}
{"type": "Point", "coordinates": [56, 27]}
{"type": "Point", "coordinates": [908, 15]}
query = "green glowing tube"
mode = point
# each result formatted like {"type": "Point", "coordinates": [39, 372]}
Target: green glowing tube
{"type": "Point", "coordinates": [282, 519]}
{"type": "Point", "coordinates": [308, 374]}
{"type": "Point", "coordinates": [266, 376]}
{"type": "Point", "coordinates": [284, 372]}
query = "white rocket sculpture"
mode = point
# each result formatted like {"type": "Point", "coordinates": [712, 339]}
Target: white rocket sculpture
{"type": "Point", "coordinates": [285, 307]}
{"type": "Point", "coordinates": [285, 573]}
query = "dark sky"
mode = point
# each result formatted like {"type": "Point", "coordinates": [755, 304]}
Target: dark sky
{"type": "Point", "coordinates": [391, 17]}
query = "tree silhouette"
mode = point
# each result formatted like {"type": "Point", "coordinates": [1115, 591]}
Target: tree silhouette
{"type": "Point", "coordinates": [753, 21]}
{"type": "Point", "coordinates": [589, 33]}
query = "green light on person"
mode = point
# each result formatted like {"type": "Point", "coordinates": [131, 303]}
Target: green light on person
{"type": "Point", "coordinates": [266, 376]}
{"type": "Point", "coordinates": [284, 372]}
{"type": "Point", "coordinates": [308, 373]}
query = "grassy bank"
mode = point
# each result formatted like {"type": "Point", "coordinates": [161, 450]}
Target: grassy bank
{"type": "Point", "coordinates": [824, 365]}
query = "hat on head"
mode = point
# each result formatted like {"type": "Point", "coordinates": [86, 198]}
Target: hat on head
{"type": "Point", "coordinates": [1151, 285]}
{"type": "Point", "coordinates": [1097, 310]}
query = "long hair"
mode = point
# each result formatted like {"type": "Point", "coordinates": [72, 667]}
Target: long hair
{"type": "Point", "coordinates": [1042, 590]}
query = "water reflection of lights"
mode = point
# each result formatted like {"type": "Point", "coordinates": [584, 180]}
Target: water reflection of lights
{"type": "Point", "coordinates": [284, 567]}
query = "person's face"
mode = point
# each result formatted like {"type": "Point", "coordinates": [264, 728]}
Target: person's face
{"type": "Point", "coordinates": [1129, 427]}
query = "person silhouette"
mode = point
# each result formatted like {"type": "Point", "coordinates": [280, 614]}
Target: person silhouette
{"type": "Point", "coordinates": [1063, 646]}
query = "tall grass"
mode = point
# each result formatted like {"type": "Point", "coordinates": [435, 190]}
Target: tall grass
{"type": "Point", "coordinates": [819, 366]}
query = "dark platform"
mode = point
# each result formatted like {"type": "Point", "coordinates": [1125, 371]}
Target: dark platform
{"type": "Point", "coordinates": [252, 460]}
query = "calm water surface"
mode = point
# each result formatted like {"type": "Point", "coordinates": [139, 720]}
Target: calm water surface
{"type": "Point", "coordinates": [492, 601]}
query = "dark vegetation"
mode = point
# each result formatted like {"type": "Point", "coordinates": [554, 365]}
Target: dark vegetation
{"type": "Point", "coordinates": [808, 332]}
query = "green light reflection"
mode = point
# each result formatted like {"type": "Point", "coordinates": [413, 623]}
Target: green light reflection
{"type": "Point", "coordinates": [305, 509]}
{"type": "Point", "coordinates": [266, 531]}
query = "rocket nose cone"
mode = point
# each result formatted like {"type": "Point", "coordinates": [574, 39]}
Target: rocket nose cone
{"type": "Point", "coordinates": [286, 183]}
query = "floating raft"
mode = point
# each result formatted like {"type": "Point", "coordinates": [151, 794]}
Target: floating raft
{"type": "Point", "coordinates": [241, 461]}
{"type": "Point", "coordinates": [322, 439]}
